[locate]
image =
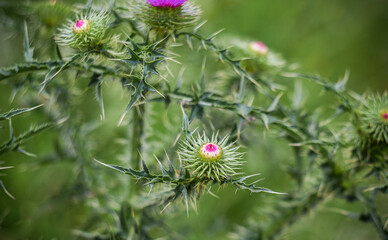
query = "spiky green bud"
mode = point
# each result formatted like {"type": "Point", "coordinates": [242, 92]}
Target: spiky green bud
{"type": "Point", "coordinates": [209, 158]}
{"type": "Point", "coordinates": [374, 117]}
{"type": "Point", "coordinates": [88, 32]}
{"type": "Point", "coordinates": [163, 18]}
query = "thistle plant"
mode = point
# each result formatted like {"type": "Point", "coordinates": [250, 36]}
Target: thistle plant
{"type": "Point", "coordinates": [131, 132]}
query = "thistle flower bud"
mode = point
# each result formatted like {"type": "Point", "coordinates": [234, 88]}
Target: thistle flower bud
{"type": "Point", "coordinates": [88, 32]}
{"type": "Point", "coordinates": [209, 158]}
{"type": "Point", "coordinates": [259, 48]}
{"type": "Point", "coordinates": [165, 15]}
{"type": "Point", "coordinates": [374, 117]}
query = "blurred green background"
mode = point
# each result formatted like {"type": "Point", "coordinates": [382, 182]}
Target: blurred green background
{"type": "Point", "coordinates": [326, 37]}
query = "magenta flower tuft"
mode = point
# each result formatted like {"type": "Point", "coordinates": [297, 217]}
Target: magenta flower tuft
{"type": "Point", "coordinates": [166, 3]}
{"type": "Point", "coordinates": [259, 47]}
{"type": "Point", "coordinates": [81, 25]}
{"type": "Point", "coordinates": [210, 152]}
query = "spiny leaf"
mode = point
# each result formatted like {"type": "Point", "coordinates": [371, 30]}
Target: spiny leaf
{"type": "Point", "coordinates": [16, 112]}
{"type": "Point", "coordinates": [251, 187]}
{"type": "Point", "coordinates": [96, 81]}
{"type": "Point", "coordinates": [151, 178]}
{"type": "Point", "coordinates": [14, 142]}
{"type": "Point", "coordinates": [150, 67]}
{"type": "Point", "coordinates": [164, 171]}
{"type": "Point", "coordinates": [135, 97]}
{"type": "Point", "coordinates": [49, 77]}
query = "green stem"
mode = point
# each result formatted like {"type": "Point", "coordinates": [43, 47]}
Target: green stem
{"type": "Point", "coordinates": [41, 66]}
{"type": "Point", "coordinates": [137, 126]}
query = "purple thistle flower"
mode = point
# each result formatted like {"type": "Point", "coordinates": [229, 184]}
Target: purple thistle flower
{"type": "Point", "coordinates": [166, 3]}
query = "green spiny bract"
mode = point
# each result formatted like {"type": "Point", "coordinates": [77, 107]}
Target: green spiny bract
{"type": "Point", "coordinates": [374, 117]}
{"type": "Point", "coordinates": [87, 33]}
{"type": "Point", "coordinates": [210, 159]}
{"type": "Point", "coordinates": [165, 19]}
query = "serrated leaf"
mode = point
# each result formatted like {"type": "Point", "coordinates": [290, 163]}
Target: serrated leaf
{"type": "Point", "coordinates": [144, 166]}
{"type": "Point", "coordinates": [151, 67]}
{"type": "Point", "coordinates": [49, 77]}
{"type": "Point", "coordinates": [14, 143]}
{"type": "Point", "coordinates": [16, 112]}
{"type": "Point", "coordinates": [196, 112]}
{"type": "Point", "coordinates": [131, 62]}
{"type": "Point", "coordinates": [135, 97]}
{"type": "Point", "coordinates": [164, 171]}
{"type": "Point", "coordinates": [96, 81]}
{"type": "Point", "coordinates": [252, 187]}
